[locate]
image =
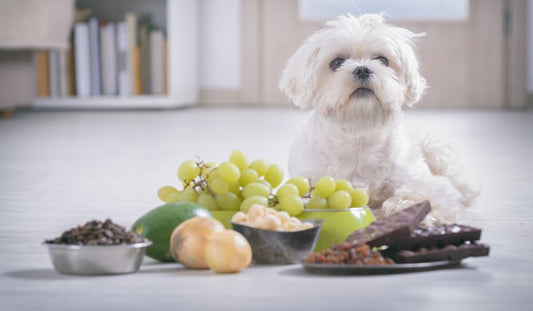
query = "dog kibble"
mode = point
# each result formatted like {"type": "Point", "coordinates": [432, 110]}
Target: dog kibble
{"type": "Point", "coordinates": [98, 233]}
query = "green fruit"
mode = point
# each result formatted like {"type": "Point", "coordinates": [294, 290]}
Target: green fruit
{"type": "Point", "coordinates": [302, 183]}
{"type": "Point", "coordinates": [325, 186]}
{"type": "Point", "coordinates": [340, 200]}
{"type": "Point", "coordinates": [338, 224]}
{"type": "Point", "coordinates": [157, 226]}
{"type": "Point", "coordinates": [291, 204]}
{"type": "Point", "coordinates": [359, 197]}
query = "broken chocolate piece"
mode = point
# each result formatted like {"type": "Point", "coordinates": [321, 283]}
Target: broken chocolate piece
{"type": "Point", "coordinates": [389, 229]}
{"type": "Point", "coordinates": [448, 252]}
{"type": "Point", "coordinates": [439, 236]}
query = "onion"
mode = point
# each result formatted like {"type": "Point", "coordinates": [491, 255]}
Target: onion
{"type": "Point", "coordinates": [227, 252]}
{"type": "Point", "coordinates": [189, 239]}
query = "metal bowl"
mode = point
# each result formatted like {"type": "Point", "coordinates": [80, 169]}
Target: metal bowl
{"type": "Point", "coordinates": [280, 247]}
{"type": "Point", "coordinates": [97, 259]}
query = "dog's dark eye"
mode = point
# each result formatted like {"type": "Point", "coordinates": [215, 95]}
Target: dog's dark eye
{"type": "Point", "coordinates": [336, 63]}
{"type": "Point", "coordinates": [383, 60]}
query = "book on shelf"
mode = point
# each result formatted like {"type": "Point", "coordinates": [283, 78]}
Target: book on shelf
{"type": "Point", "coordinates": [53, 63]}
{"type": "Point", "coordinates": [94, 52]}
{"type": "Point", "coordinates": [108, 51]}
{"type": "Point", "coordinates": [111, 58]}
{"type": "Point", "coordinates": [43, 88]}
{"type": "Point", "coordinates": [63, 73]}
{"type": "Point", "coordinates": [82, 62]}
{"type": "Point", "coordinates": [124, 85]}
{"type": "Point", "coordinates": [157, 58]}
{"type": "Point", "coordinates": [71, 74]}
{"type": "Point", "coordinates": [144, 45]}
{"type": "Point", "coordinates": [165, 68]}
{"type": "Point", "coordinates": [137, 70]}
{"type": "Point", "coordinates": [132, 54]}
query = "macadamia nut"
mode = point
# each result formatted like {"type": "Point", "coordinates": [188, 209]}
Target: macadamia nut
{"type": "Point", "coordinates": [259, 216]}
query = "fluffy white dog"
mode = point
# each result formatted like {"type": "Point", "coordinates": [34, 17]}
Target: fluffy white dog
{"type": "Point", "coordinates": [357, 74]}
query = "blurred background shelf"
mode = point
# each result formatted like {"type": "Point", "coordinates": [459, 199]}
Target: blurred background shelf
{"type": "Point", "coordinates": [178, 19]}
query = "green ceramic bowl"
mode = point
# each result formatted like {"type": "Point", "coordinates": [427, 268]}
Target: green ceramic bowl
{"type": "Point", "coordinates": [338, 224]}
{"type": "Point", "coordinates": [224, 217]}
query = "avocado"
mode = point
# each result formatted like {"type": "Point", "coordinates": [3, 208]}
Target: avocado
{"type": "Point", "coordinates": [157, 226]}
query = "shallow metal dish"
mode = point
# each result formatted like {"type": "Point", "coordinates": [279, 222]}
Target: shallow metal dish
{"type": "Point", "coordinates": [97, 259]}
{"type": "Point", "coordinates": [347, 269]}
{"type": "Point", "coordinates": [280, 247]}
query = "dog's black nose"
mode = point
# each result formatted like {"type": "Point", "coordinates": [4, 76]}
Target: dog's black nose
{"type": "Point", "coordinates": [362, 72]}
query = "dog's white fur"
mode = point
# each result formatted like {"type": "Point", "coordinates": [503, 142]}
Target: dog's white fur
{"type": "Point", "coordinates": [360, 137]}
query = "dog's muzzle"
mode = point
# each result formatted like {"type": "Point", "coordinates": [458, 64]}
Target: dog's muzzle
{"type": "Point", "coordinates": [362, 73]}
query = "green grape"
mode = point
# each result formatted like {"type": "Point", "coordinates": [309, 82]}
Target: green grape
{"type": "Point", "coordinates": [264, 182]}
{"type": "Point", "coordinates": [302, 183]}
{"type": "Point", "coordinates": [219, 185]}
{"type": "Point", "coordinates": [343, 184]}
{"type": "Point", "coordinates": [317, 202]}
{"type": "Point", "coordinates": [188, 170]}
{"type": "Point", "coordinates": [291, 204]}
{"type": "Point", "coordinates": [207, 169]}
{"type": "Point", "coordinates": [325, 186]}
{"type": "Point", "coordinates": [274, 175]}
{"type": "Point", "coordinates": [287, 189]}
{"type": "Point", "coordinates": [260, 166]}
{"type": "Point", "coordinates": [229, 171]}
{"type": "Point", "coordinates": [173, 197]}
{"type": "Point", "coordinates": [248, 202]}
{"type": "Point", "coordinates": [359, 197]}
{"type": "Point", "coordinates": [228, 201]}
{"type": "Point", "coordinates": [235, 188]}
{"type": "Point", "coordinates": [255, 189]}
{"type": "Point", "coordinates": [188, 195]}
{"type": "Point", "coordinates": [238, 158]}
{"type": "Point", "coordinates": [207, 201]}
{"type": "Point", "coordinates": [212, 176]}
{"type": "Point", "coordinates": [248, 176]}
{"type": "Point", "coordinates": [340, 200]}
{"type": "Point", "coordinates": [164, 191]}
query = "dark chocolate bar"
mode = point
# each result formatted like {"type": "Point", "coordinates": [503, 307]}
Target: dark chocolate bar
{"type": "Point", "coordinates": [439, 236]}
{"type": "Point", "coordinates": [449, 252]}
{"type": "Point", "coordinates": [389, 229]}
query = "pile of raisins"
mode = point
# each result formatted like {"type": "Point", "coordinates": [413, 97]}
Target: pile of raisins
{"type": "Point", "coordinates": [96, 232]}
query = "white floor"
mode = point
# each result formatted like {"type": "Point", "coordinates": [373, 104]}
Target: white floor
{"type": "Point", "coordinates": [60, 169]}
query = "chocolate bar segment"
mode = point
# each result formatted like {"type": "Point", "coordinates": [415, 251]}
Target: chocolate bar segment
{"type": "Point", "coordinates": [438, 236]}
{"type": "Point", "coordinates": [388, 230]}
{"type": "Point", "coordinates": [449, 252]}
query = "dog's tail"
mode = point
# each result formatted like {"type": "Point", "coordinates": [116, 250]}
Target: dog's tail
{"type": "Point", "coordinates": [441, 160]}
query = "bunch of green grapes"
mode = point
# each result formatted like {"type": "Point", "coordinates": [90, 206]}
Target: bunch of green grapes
{"type": "Point", "coordinates": [232, 185]}
{"type": "Point", "coordinates": [336, 194]}
{"type": "Point", "coordinates": [237, 184]}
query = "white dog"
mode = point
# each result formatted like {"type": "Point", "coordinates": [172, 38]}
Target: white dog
{"type": "Point", "coordinates": [357, 74]}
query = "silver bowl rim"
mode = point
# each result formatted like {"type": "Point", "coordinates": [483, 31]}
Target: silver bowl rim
{"type": "Point", "coordinates": [78, 247]}
{"type": "Point", "coordinates": [316, 223]}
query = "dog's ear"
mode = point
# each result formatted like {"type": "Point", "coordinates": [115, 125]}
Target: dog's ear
{"type": "Point", "coordinates": [416, 84]}
{"type": "Point", "coordinates": [298, 78]}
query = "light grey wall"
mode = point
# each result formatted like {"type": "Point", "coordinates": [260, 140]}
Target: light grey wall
{"type": "Point", "coordinates": [220, 53]}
